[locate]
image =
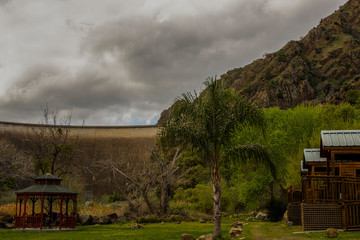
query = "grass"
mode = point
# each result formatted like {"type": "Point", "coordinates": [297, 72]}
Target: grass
{"type": "Point", "coordinates": [279, 230]}
{"type": "Point", "coordinates": [115, 231]}
{"type": "Point", "coordinates": [169, 231]}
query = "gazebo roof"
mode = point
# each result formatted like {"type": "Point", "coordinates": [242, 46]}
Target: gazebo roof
{"type": "Point", "coordinates": [51, 185]}
{"type": "Point", "coordinates": [45, 188]}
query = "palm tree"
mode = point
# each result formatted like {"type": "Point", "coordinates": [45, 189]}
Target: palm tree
{"type": "Point", "coordinates": [205, 123]}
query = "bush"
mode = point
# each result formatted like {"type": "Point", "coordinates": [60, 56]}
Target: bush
{"type": "Point", "coordinates": [115, 198]}
{"type": "Point", "coordinates": [200, 197]}
{"type": "Point", "coordinates": [276, 208]}
{"type": "Point", "coordinates": [352, 96]}
{"type": "Point", "coordinates": [174, 218]}
{"type": "Point", "coordinates": [151, 219]}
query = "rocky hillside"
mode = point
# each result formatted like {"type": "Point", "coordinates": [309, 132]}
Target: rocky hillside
{"type": "Point", "coordinates": [320, 68]}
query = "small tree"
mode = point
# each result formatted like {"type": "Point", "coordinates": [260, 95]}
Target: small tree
{"type": "Point", "coordinates": [15, 167]}
{"type": "Point", "coordinates": [206, 123]}
{"type": "Point", "coordinates": [167, 173]}
{"type": "Point", "coordinates": [50, 145]}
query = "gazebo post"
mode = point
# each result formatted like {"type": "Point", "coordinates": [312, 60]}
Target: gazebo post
{"type": "Point", "coordinates": [61, 204]}
{"type": "Point", "coordinates": [16, 206]}
{"type": "Point", "coordinates": [16, 213]}
{"type": "Point", "coordinates": [20, 200]}
{"type": "Point", "coordinates": [24, 215]}
{"type": "Point", "coordinates": [42, 211]}
{"type": "Point", "coordinates": [67, 207]}
{"type": "Point", "coordinates": [50, 212]}
{"type": "Point", "coordinates": [33, 206]}
{"type": "Point", "coordinates": [73, 214]}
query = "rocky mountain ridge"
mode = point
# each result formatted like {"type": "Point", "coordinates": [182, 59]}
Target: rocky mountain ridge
{"type": "Point", "coordinates": [320, 68]}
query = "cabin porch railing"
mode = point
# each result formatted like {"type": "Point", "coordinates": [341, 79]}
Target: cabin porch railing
{"type": "Point", "coordinates": [294, 195]}
{"type": "Point", "coordinates": [329, 189]}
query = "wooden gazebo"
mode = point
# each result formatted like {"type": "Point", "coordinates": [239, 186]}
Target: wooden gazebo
{"type": "Point", "coordinates": [47, 191]}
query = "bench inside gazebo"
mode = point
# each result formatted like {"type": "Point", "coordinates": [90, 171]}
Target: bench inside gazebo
{"type": "Point", "coordinates": [35, 205]}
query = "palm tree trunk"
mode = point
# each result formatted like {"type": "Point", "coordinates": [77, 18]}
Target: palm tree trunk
{"type": "Point", "coordinates": [215, 178]}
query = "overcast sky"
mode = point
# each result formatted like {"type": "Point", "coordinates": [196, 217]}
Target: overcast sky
{"type": "Point", "coordinates": [117, 62]}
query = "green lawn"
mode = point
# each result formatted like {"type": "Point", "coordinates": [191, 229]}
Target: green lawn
{"type": "Point", "coordinates": [168, 231]}
{"type": "Point", "coordinates": [115, 231]}
{"type": "Point", "coordinates": [278, 230]}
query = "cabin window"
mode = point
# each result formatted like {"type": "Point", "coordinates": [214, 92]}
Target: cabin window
{"type": "Point", "coordinates": [347, 157]}
{"type": "Point", "coordinates": [337, 171]}
{"type": "Point", "coordinates": [357, 172]}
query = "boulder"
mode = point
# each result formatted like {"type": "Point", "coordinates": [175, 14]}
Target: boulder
{"type": "Point", "coordinates": [128, 216]}
{"type": "Point", "coordinates": [285, 217]}
{"type": "Point", "coordinates": [236, 232]}
{"type": "Point", "coordinates": [9, 225]}
{"type": "Point", "coordinates": [289, 223]}
{"type": "Point", "coordinates": [85, 219]}
{"type": "Point", "coordinates": [113, 217]}
{"type": "Point", "coordinates": [162, 223]}
{"type": "Point", "coordinates": [261, 216]}
{"type": "Point", "coordinates": [136, 225]}
{"type": "Point", "coordinates": [209, 236]}
{"type": "Point", "coordinates": [95, 220]}
{"type": "Point", "coordinates": [2, 225]}
{"type": "Point", "coordinates": [104, 219]}
{"type": "Point", "coordinates": [7, 218]}
{"type": "Point", "coordinates": [187, 237]}
{"type": "Point", "coordinates": [332, 232]}
{"type": "Point", "coordinates": [238, 224]}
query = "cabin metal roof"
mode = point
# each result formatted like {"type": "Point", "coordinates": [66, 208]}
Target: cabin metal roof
{"type": "Point", "coordinates": [313, 155]}
{"type": "Point", "coordinates": [340, 138]}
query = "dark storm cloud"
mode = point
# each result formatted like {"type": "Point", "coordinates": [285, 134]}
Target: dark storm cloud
{"type": "Point", "coordinates": [133, 66]}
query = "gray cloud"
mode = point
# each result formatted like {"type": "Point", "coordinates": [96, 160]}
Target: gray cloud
{"type": "Point", "coordinates": [127, 68]}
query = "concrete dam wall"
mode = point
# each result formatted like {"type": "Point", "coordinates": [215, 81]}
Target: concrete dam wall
{"type": "Point", "coordinates": [127, 145]}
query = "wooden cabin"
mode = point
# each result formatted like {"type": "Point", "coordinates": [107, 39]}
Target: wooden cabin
{"type": "Point", "coordinates": [313, 163]}
{"type": "Point", "coordinates": [341, 150]}
{"type": "Point", "coordinates": [330, 191]}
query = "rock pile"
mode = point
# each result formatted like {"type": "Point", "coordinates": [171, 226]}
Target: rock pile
{"type": "Point", "coordinates": [91, 220]}
{"type": "Point", "coordinates": [7, 221]}
{"type": "Point", "coordinates": [236, 230]}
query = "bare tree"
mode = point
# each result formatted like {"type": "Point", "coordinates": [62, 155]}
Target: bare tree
{"type": "Point", "coordinates": [15, 167]}
{"type": "Point", "coordinates": [143, 182]}
{"type": "Point", "coordinates": [52, 148]}
{"type": "Point", "coordinates": [167, 169]}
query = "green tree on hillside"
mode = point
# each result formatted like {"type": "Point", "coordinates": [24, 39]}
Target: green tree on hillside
{"type": "Point", "coordinates": [206, 124]}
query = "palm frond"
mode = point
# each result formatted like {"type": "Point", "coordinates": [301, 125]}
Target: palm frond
{"type": "Point", "coordinates": [254, 153]}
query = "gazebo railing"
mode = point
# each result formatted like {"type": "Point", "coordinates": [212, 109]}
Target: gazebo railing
{"type": "Point", "coordinates": [67, 222]}
{"type": "Point", "coordinates": [35, 222]}
{"type": "Point", "coordinates": [28, 221]}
